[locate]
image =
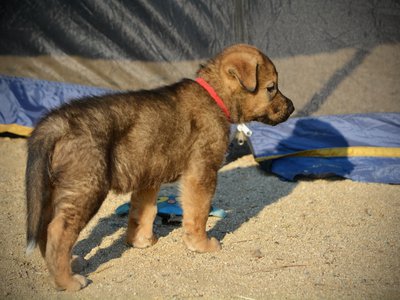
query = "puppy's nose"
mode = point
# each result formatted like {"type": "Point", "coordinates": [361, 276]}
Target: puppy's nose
{"type": "Point", "coordinates": [290, 106]}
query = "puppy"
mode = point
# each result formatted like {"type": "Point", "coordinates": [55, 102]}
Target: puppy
{"type": "Point", "coordinates": [134, 142]}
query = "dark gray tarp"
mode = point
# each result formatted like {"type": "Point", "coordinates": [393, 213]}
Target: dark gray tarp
{"type": "Point", "coordinates": [172, 30]}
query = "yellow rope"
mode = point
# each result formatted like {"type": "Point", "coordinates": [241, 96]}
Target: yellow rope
{"type": "Point", "coordinates": [341, 152]}
{"type": "Point", "coordinates": [16, 129]}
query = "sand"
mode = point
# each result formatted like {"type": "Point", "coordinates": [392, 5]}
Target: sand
{"type": "Point", "coordinates": [310, 239]}
{"type": "Point", "coordinates": [324, 239]}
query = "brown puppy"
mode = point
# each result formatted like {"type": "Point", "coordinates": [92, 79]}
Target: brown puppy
{"type": "Point", "coordinates": [136, 141]}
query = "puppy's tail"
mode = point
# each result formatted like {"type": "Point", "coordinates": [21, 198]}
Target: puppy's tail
{"type": "Point", "coordinates": [37, 178]}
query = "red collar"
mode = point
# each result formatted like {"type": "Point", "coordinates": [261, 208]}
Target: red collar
{"type": "Point", "coordinates": [214, 95]}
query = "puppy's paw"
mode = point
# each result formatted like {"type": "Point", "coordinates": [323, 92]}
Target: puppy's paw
{"type": "Point", "coordinates": [73, 283]}
{"type": "Point", "coordinates": [142, 242]}
{"type": "Point", "coordinates": [202, 245]}
{"type": "Point", "coordinates": [82, 280]}
{"type": "Point", "coordinates": [212, 245]}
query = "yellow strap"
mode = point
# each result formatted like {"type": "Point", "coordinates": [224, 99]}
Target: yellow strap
{"type": "Point", "coordinates": [341, 152]}
{"type": "Point", "coordinates": [16, 129]}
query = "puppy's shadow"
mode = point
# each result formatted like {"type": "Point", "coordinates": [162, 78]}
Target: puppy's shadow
{"type": "Point", "coordinates": [107, 227]}
{"type": "Point", "coordinates": [244, 193]}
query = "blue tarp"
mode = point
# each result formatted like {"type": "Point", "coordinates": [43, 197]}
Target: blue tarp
{"type": "Point", "coordinates": [23, 100]}
{"type": "Point", "coordinates": [361, 147]}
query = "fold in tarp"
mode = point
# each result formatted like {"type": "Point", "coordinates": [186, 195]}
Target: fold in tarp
{"type": "Point", "coordinates": [361, 147]}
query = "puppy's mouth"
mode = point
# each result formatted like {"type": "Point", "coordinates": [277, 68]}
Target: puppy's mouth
{"type": "Point", "coordinates": [277, 112]}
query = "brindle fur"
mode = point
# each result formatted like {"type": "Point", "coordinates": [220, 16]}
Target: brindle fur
{"type": "Point", "coordinates": [134, 142]}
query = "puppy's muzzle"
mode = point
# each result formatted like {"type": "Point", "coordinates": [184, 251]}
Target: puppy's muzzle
{"type": "Point", "coordinates": [278, 111]}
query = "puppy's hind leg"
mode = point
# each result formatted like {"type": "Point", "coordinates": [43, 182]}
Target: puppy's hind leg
{"type": "Point", "coordinates": [63, 231]}
{"type": "Point", "coordinates": [77, 262]}
{"type": "Point", "coordinates": [141, 218]}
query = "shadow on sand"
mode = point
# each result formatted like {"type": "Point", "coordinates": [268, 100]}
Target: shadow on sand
{"type": "Point", "coordinates": [238, 192]}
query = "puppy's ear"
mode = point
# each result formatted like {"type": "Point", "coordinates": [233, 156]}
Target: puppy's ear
{"type": "Point", "coordinates": [244, 68]}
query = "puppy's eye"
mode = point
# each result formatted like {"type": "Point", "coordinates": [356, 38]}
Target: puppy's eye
{"type": "Point", "coordinates": [271, 88]}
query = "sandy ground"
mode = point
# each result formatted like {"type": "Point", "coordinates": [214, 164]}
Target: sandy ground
{"type": "Point", "coordinates": [324, 239]}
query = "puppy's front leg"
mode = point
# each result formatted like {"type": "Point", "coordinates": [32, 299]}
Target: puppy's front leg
{"type": "Point", "coordinates": [196, 195]}
{"type": "Point", "coordinates": [141, 217]}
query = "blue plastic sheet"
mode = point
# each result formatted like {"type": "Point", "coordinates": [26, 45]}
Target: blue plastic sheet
{"type": "Point", "coordinates": [361, 147]}
{"type": "Point", "coordinates": [23, 100]}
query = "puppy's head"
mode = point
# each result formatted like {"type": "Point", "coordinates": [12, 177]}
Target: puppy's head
{"type": "Point", "coordinates": [247, 81]}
